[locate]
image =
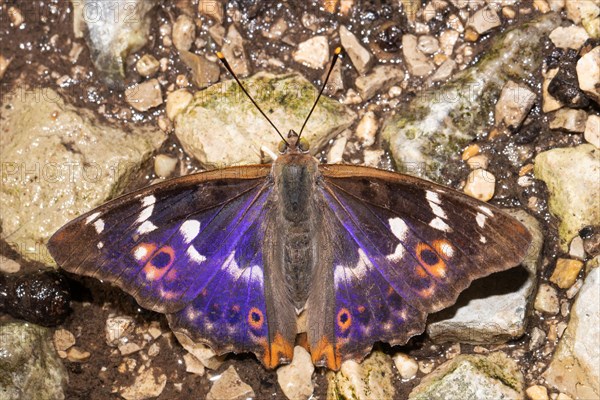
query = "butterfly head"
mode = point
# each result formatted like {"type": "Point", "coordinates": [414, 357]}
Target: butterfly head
{"type": "Point", "coordinates": [294, 144]}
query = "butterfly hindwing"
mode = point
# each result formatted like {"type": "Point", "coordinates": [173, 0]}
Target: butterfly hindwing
{"type": "Point", "coordinates": [405, 248]}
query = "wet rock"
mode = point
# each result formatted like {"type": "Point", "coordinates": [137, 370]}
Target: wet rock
{"type": "Point", "coordinates": [575, 366]}
{"type": "Point", "coordinates": [145, 95]}
{"type": "Point", "coordinates": [164, 166]}
{"type": "Point", "coordinates": [546, 300]}
{"type": "Point", "coordinates": [75, 354]}
{"type": "Point", "coordinates": [367, 129]}
{"type": "Point", "coordinates": [444, 71]}
{"type": "Point", "coordinates": [581, 11]}
{"type": "Point", "coordinates": [569, 120]}
{"type": "Point", "coordinates": [313, 53]}
{"type": "Point", "coordinates": [418, 64]}
{"type": "Point", "coordinates": [184, 32]}
{"type": "Point", "coordinates": [588, 74]}
{"type": "Point", "coordinates": [514, 104]}
{"type": "Point", "coordinates": [201, 351]}
{"type": "Point", "coordinates": [549, 102]}
{"type": "Point", "coordinates": [29, 365]}
{"type": "Point", "coordinates": [9, 266]}
{"type": "Point", "coordinates": [204, 72]}
{"type": "Point", "coordinates": [570, 37]}
{"type": "Point", "coordinates": [448, 39]}
{"type": "Point", "coordinates": [591, 133]}
{"type": "Point", "coordinates": [439, 122]}
{"type": "Point", "coordinates": [229, 387]}
{"type": "Point", "coordinates": [407, 366]}
{"type": "Point", "coordinates": [537, 392]}
{"type": "Point", "coordinates": [193, 365]}
{"type": "Point", "coordinates": [213, 9]}
{"type": "Point", "coordinates": [428, 44]}
{"type": "Point", "coordinates": [491, 377]}
{"type": "Point", "coordinates": [74, 163]}
{"type": "Point", "coordinates": [481, 184]}
{"type": "Point", "coordinates": [234, 52]}
{"type": "Point", "coordinates": [370, 379]}
{"type": "Point", "coordinates": [566, 272]}
{"type": "Point", "coordinates": [41, 297]}
{"type": "Point", "coordinates": [571, 177]}
{"type": "Point", "coordinates": [243, 131]}
{"type": "Point", "coordinates": [295, 379]}
{"type": "Point", "coordinates": [177, 101]}
{"type": "Point", "coordinates": [493, 309]}
{"type": "Point", "coordinates": [381, 78]}
{"type": "Point", "coordinates": [484, 20]}
{"type": "Point", "coordinates": [576, 248]}
{"type": "Point", "coordinates": [147, 66]}
{"type": "Point", "coordinates": [63, 340]}
{"type": "Point", "coordinates": [148, 384]}
{"type": "Point", "coordinates": [117, 328]}
{"type": "Point", "coordinates": [565, 86]}
{"type": "Point", "coordinates": [360, 57]}
{"type": "Point", "coordinates": [111, 36]}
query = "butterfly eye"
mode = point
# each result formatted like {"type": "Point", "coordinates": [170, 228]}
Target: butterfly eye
{"type": "Point", "coordinates": [282, 147]}
{"type": "Point", "coordinates": [303, 145]}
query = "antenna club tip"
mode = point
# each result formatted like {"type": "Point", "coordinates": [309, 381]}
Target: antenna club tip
{"type": "Point", "coordinates": [220, 55]}
{"type": "Point", "coordinates": [338, 50]}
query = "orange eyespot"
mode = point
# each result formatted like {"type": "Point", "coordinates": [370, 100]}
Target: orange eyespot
{"type": "Point", "coordinates": [160, 263]}
{"type": "Point", "coordinates": [255, 318]}
{"type": "Point", "coordinates": [430, 261]}
{"type": "Point", "coordinates": [344, 319]}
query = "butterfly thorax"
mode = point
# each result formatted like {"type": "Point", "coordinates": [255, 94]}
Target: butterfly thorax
{"type": "Point", "coordinates": [295, 177]}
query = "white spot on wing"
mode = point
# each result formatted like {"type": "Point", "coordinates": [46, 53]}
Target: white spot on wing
{"type": "Point", "coordinates": [487, 211]}
{"type": "Point", "coordinates": [146, 227]}
{"type": "Point", "coordinates": [447, 250]}
{"type": "Point", "coordinates": [363, 265]}
{"type": "Point", "coordinates": [194, 255]}
{"type": "Point", "coordinates": [482, 239]}
{"type": "Point", "coordinates": [480, 218]}
{"type": "Point", "coordinates": [91, 217]}
{"type": "Point", "coordinates": [99, 225]}
{"type": "Point", "coordinates": [399, 228]}
{"type": "Point", "coordinates": [140, 252]}
{"type": "Point", "coordinates": [99, 245]}
{"type": "Point", "coordinates": [432, 197]}
{"type": "Point", "coordinates": [439, 224]}
{"type": "Point", "coordinates": [437, 210]}
{"type": "Point", "coordinates": [190, 229]}
{"type": "Point", "coordinates": [148, 201]}
{"type": "Point", "coordinates": [146, 213]}
{"type": "Point", "coordinates": [397, 255]}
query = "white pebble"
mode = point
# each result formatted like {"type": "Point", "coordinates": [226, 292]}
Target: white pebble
{"type": "Point", "coordinates": [164, 165]}
{"type": "Point", "coordinates": [367, 129]}
{"type": "Point", "coordinates": [407, 367]}
{"type": "Point", "coordinates": [592, 130]}
{"type": "Point", "coordinates": [481, 184]}
{"type": "Point", "coordinates": [177, 101]}
{"type": "Point", "coordinates": [313, 53]}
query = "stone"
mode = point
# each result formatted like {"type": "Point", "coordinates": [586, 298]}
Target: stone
{"type": "Point", "coordinates": [546, 300]}
{"type": "Point", "coordinates": [177, 102]}
{"type": "Point", "coordinates": [491, 377]}
{"type": "Point", "coordinates": [418, 64]}
{"type": "Point", "coordinates": [4, 64]}
{"type": "Point", "coordinates": [428, 44]}
{"type": "Point", "coordinates": [569, 120]}
{"type": "Point", "coordinates": [575, 365]}
{"type": "Point", "coordinates": [370, 379]}
{"type": "Point", "coordinates": [75, 354]}
{"type": "Point", "coordinates": [74, 163]}
{"type": "Point", "coordinates": [148, 384]}
{"type": "Point", "coordinates": [514, 104]}
{"type": "Point", "coordinates": [193, 365]}
{"type": "Point", "coordinates": [234, 52]}
{"type": "Point", "coordinates": [493, 309]}
{"type": "Point", "coordinates": [580, 11]}
{"type": "Point", "coordinates": [147, 65]}
{"type": "Point", "coordinates": [444, 71]}
{"type": "Point", "coordinates": [480, 161]}
{"type": "Point", "coordinates": [63, 339]}
{"type": "Point", "coordinates": [243, 131]}
{"type": "Point", "coordinates": [571, 177]}
{"type": "Point", "coordinates": [336, 151]}
{"type": "Point", "coordinates": [29, 365]}
{"type": "Point", "coordinates": [184, 32]}
{"type": "Point", "coordinates": [313, 53]}
{"type": "Point", "coordinates": [484, 20]}
{"type": "Point", "coordinates": [201, 351]}
{"type": "Point", "coordinates": [213, 9]}
{"type": "Point", "coordinates": [480, 184]}
{"type": "Point", "coordinates": [576, 248]}
{"type": "Point", "coordinates": [295, 379]}
{"type": "Point", "coordinates": [591, 134]}
{"type": "Point", "coordinates": [566, 272]}
{"type": "Point", "coordinates": [144, 96]}
{"type": "Point", "coordinates": [538, 338]}
{"type": "Point", "coordinates": [569, 37]}
{"type": "Point", "coordinates": [204, 72]}
{"type": "Point", "coordinates": [129, 348]}
{"type": "Point", "coordinates": [360, 57]}
{"type": "Point", "coordinates": [367, 127]}
{"type": "Point", "coordinates": [229, 386]}
{"type": "Point", "coordinates": [407, 366]}
{"type": "Point", "coordinates": [537, 392]}
{"type": "Point", "coordinates": [588, 73]}
{"type": "Point", "coordinates": [549, 103]}
{"type": "Point", "coordinates": [117, 328]}
{"type": "Point", "coordinates": [381, 78]}
{"type": "Point", "coordinates": [164, 166]}
{"type": "Point", "coordinates": [9, 266]}
{"type": "Point", "coordinates": [448, 39]}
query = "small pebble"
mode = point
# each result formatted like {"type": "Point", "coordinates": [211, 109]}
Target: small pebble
{"type": "Point", "coordinates": [513, 105]}
{"type": "Point", "coordinates": [150, 383]}
{"type": "Point", "coordinates": [546, 300]}
{"type": "Point", "coordinates": [566, 272]}
{"type": "Point", "coordinates": [4, 63]}
{"type": "Point", "coordinates": [569, 37]}
{"type": "Point", "coordinates": [129, 348]}
{"type": "Point", "coordinates": [367, 129]}
{"type": "Point", "coordinates": [360, 57]}
{"type": "Point", "coordinates": [471, 35]}
{"type": "Point", "coordinates": [164, 166]}
{"type": "Point", "coordinates": [481, 184]}
{"type": "Point", "coordinates": [538, 337]}
{"type": "Point", "coordinates": [313, 53]}
{"type": "Point", "coordinates": [484, 20]}
{"type": "Point", "coordinates": [428, 44]}
{"type": "Point", "coordinates": [295, 379]}
{"type": "Point", "coordinates": [588, 73]}
{"type": "Point", "coordinates": [229, 386]}
{"type": "Point", "coordinates": [562, 396]}
{"type": "Point", "coordinates": [117, 327]}
{"type": "Point", "coordinates": [75, 354]}
{"type": "Point", "coordinates": [470, 151]}
{"type": "Point", "coordinates": [574, 289]}
{"type": "Point", "coordinates": [372, 158]}
{"type": "Point", "coordinates": [184, 32]}
{"type": "Point", "coordinates": [448, 39]}
{"type": "Point", "coordinates": [509, 12]}
{"type": "Point", "coordinates": [16, 17]}
{"type": "Point", "coordinates": [445, 70]}
{"type": "Point", "coordinates": [9, 266]}
{"type": "Point", "coordinates": [576, 249]}
{"type": "Point", "coordinates": [213, 9]}
{"type": "Point", "coordinates": [153, 350]}
{"type": "Point", "coordinates": [147, 66]}
{"type": "Point", "coordinates": [145, 95]}
{"type": "Point", "coordinates": [177, 101]}
{"type": "Point", "coordinates": [204, 71]}
{"type": "Point", "coordinates": [407, 366]}
{"type": "Point", "coordinates": [426, 366]}
{"type": "Point", "coordinates": [63, 339]}
{"type": "Point", "coordinates": [418, 63]}
{"type": "Point", "coordinates": [537, 392]}
{"type": "Point", "coordinates": [569, 120]}
{"type": "Point", "coordinates": [541, 5]}
{"type": "Point", "coordinates": [193, 365]}
{"type": "Point", "coordinates": [591, 133]}
{"type": "Point", "coordinates": [234, 52]}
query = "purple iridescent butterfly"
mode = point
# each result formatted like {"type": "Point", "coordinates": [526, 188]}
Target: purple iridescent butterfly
{"type": "Point", "coordinates": [235, 257]}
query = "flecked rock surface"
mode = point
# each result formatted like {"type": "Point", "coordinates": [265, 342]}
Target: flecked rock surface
{"type": "Point", "coordinates": [229, 386]}
{"type": "Point", "coordinates": [493, 309]}
{"type": "Point", "coordinates": [221, 127]}
{"type": "Point", "coordinates": [571, 175]}
{"type": "Point", "coordinates": [295, 379]}
{"type": "Point", "coordinates": [57, 163]}
{"type": "Point", "coordinates": [29, 365]}
{"type": "Point", "coordinates": [474, 377]}
{"type": "Point", "coordinates": [438, 123]}
{"type": "Point", "coordinates": [370, 379]}
{"type": "Point", "coordinates": [575, 366]}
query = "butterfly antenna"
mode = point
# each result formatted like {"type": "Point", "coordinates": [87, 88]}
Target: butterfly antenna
{"type": "Point", "coordinates": [228, 67]}
{"type": "Point", "coordinates": [336, 55]}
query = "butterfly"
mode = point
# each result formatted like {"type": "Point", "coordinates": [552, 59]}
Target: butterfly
{"type": "Point", "coordinates": [235, 256]}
